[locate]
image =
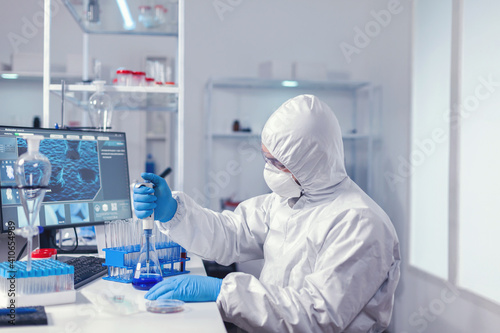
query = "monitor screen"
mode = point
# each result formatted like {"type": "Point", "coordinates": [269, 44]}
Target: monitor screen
{"type": "Point", "coordinates": [89, 183]}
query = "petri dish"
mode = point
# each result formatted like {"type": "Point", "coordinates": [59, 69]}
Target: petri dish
{"type": "Point", "coordinates": [165, 306]}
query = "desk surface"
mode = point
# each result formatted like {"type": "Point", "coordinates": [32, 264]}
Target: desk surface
{"type": "Point", "coordinates": [83, 316]}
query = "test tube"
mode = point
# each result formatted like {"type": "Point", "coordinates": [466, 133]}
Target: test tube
{"type": "Point", "coordinates": [107, 234]}
{"type": "Point", "coordinates": [112, 233]}
{"type": "Point", "coordinates": [121, 226]}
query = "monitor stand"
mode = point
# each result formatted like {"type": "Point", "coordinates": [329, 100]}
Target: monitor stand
{"type": "Point", "coordinates": [47, 241]}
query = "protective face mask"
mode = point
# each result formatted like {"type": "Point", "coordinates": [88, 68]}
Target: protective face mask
{"type": "Point", "coordinates": [281, 182]}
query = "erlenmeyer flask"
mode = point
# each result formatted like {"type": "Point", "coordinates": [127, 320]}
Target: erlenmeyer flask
{"type": "Point", "coordinates": [148, 270]}
{"type": "Point", "coordinates": [32, 173]}
{"type": "Point", "coordinates": [100, 108]}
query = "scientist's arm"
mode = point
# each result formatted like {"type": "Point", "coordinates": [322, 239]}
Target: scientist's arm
{"type": "Point", "coordinates": [355, 260]}
{"type": "Point", "coordinates": [225, 237]}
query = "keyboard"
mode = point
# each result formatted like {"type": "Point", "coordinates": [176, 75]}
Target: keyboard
{"type": "Point", "coordinates": [87, 269]}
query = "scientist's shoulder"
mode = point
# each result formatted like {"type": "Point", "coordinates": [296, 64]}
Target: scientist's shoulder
{"type": "Point", "coordinates": [352, 206]}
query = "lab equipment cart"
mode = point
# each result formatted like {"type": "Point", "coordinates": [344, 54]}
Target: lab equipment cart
{"type": "Point", "coordinates": [236, 110]}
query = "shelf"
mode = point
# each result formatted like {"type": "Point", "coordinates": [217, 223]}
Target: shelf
{"type": "Point", "coordinates": [256, 83]}
{"type": "Point", "coordinates": [156, 137]}
{"type": "Point", "coordinates": [355, 137]}
{"type": "Point", "coordinates": [36, 76]}
{"type": "Point", "coordinates": [353, 97]}
{"type": "Point", "coordinates": [255, 135]}
{"type": "Point", "coordinates": [141, 98]}
{"type": "Point", "coordinates": [117, 89]}
{"type": "Point", "coordinates": [235, 135]}
{"type": "Point", "coordinates": [111, 20]}
{"type": "Point", "coordinates": [170, 98]}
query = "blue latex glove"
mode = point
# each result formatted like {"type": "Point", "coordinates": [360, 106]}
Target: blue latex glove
{"type": "Point", "coordinates": [188, 288]}
{"type": "Point", "coordinates": [162, 202]}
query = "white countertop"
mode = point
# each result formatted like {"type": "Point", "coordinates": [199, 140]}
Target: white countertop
{"type": "Point", "coordinates": [84, 316]}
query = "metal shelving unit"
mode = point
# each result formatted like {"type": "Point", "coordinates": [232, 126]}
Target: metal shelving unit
{"type": "Point", "coordinates": [112, 21]}
{"type": "Point", "coordinates": [36, 76]}
{"type": "Point", "coordinates": [119, 19]}
{"type": "Point", "coordinates": [256, 83]}
{"type": "Point", "coordinates": [352, 135]}
{"type": "Point", "coordinates": [146, 102]}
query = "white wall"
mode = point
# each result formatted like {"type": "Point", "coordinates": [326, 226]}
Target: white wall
{"type": "Point", "coordinates": [254, 31]}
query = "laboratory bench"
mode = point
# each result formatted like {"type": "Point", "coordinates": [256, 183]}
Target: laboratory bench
{"type": "Point", "coordinates": [85, 316]}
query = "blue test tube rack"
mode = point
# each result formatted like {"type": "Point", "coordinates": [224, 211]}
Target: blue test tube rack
{"type": "Point", "coordinates": [48, 282]}
{"type": "Point", "coordinates": [121, 261]}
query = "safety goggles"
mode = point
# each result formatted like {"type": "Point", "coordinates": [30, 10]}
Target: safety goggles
{"type": "Point", "coordinates": [273, 161]}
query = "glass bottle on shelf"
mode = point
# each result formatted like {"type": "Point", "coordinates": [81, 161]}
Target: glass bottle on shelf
{"type": "Point", "coordinates": [100, 108]}
{"type": "Point", "coordinates": [171, 99]}
{"type": "Point", "coordinates": [147, 15]}
{"type": "Point", "coordinates": [93, 12]}
{"type": "Point", "coordinates": [172, 14]}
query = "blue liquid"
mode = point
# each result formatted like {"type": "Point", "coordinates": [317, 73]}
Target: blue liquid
{"type": "Point", "coordinates": [145, 282]}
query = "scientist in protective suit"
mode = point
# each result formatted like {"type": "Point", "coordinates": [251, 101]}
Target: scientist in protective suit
{"type": "Point", "coordinates": [331, 254]}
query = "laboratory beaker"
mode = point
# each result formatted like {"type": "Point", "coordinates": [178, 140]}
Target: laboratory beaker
{"type": "Point", "coordinates": [148, 270]}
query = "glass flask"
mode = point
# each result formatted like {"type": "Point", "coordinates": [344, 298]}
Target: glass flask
{"type": "Point", "coordinates": [146, 16]}
{"type": "Point", "coordinates": [100, 108]}
{"type": "Point", "coordinates": [148, 270]}
{"type": "Point", "coordinates": [32, 173]}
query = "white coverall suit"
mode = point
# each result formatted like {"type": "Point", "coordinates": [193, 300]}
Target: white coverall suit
{"type": "Point", "coordinates": [331, 257]}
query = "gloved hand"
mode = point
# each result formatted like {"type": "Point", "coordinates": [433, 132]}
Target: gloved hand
{"type": "Point", "coordinates": [188, 288]}
{"type": "Point", "coordinates": [162, 202]}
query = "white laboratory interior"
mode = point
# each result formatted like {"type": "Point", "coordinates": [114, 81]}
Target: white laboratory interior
{"type": "Point", "coordinates": [414, 86]}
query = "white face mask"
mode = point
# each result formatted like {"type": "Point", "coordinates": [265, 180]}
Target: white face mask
{"type": "Point", "coordinates": [281, 182]}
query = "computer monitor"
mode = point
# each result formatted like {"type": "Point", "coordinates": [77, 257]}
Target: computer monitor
{"type": "Point", "coordinates": [89, 183]}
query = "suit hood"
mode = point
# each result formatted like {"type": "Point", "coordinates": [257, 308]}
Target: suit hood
{"type": "Point", "coordinates": [305, 136]}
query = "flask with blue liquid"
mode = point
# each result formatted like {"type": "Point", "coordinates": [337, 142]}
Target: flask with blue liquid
{"type": "Point", "coordinates": [148, 270]}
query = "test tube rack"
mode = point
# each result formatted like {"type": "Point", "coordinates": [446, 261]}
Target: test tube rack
{"type": "Point", "coordinates": [49, 282]}
{"type": "Point", "coordinates": [121, 261]}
